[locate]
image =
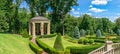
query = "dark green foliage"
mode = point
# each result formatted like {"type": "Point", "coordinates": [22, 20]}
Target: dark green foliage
{"type": "Point", "coordinates": [118, 32]}
{"type": "Point", "coordinates": [81, 41]}
{"type": "Point", "coordinates": [91, 41]}
{"type": "Point", "coordinates": [58, 44]}
{"type": "Point", "coordinates": [48, 36]}
{"type": "Point", "coordinates": [83, 50]}
{"type": "Point", "coordinates": [100, 40]}
{"type": "Point", "coordinates": [98, 33]}
{"type": "Point", "coordinates": [76, 33]}
{"type": "Point", "coordinates": [86, 41]}
{"type": "Point", "coordinates": [45, 47]}
{"type": "Point", "coordinates": [35, 48]}
{"type": "Point", "coordinates": [67, 51]}
{"type": "Point", "coordinates": [70, 23]}
{"type": "Point", "coordinates": [24, 33]}
{"type": "Point", "coordinates": [82, 32]}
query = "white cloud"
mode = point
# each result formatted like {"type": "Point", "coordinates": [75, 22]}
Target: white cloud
{"type": "Point", "coordinates": [73, 9]}
{"type": "Point", "coordinates": [89, 13]}
{"type": "Point", "coordinates": [96, 10]}
{"type": "Point", "coordinates": [76, 12]}
{"type": "Point", "coordinates": [100, 2]}
{"type": "Point", "coordinates": [90, 6]}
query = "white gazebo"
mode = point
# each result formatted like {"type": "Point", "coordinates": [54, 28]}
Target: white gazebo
{"type": "Point", "coordinates": [39, 26]}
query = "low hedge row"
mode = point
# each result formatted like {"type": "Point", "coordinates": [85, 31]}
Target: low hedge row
{"type": "Point", "coordinates": [48, 36]}
{"type": "Point", "coordinates": [35, 48]}
{"type": "Point", "coordinates": [99, 40]}
{"type": "Point", "coordinates": [47, 48]}
{"type": "Point", "coordinates": [83, 50]}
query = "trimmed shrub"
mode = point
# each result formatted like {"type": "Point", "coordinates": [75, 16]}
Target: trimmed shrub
{"type": "Point", "coordinates": [82, 32]}
{"type": "Point", "coordinates": [98, 33]}
{"type": "Point", "coordinates": [91, 41]}
{"type": "Point", "coordinates": [76, 33]}
{"type": "Point", "coordinates": [47, 48]}
{"type": "Point", "coordinates": [86, 41]}
{"type": "Point", "coordinates": [83, 50]}
{"type": "Point", "coordinates": [48, 36]}
{"type": "Point", "coordinates": [24, 33]}
{"type": "Point", "coordinates": [99, 40]}
{"type": "Point", "coordinates": [118, 32]}
{"type": "Point", "coordinates": [58, 44]}
{"type": "Point", "coordinates": [81, 41]}
{"type": "Point", "coordinates": [35, 48]}
{"type": "Point", "coordinates": [67, 51]}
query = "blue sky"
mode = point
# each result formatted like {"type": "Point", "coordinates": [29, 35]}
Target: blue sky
{"type": "Point", "coordinates": [95, 8]}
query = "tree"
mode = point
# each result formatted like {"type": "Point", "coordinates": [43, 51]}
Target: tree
{"type": "Point", "coordinates": [118, 32]}
{"type": "Point", "coordinates": [82, 32]}
{"type": "Point", "coordinates": [58, 43]}
{"type": "Point", "coordinates": [76, 33]}
{"type": "Point", "coordinates": [59, 9]}
{"type": "Point", "coordinates": [87, 23]}
{"type": "Point", "coordinates": [3, 19]}
{"type": "Point", "coordinates": [70, 23]}
{"type": "Point", "coordinates": [98, 33]}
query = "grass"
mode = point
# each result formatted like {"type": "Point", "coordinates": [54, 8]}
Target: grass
{"type": "Point", "coordinates": [14, 44]}
{"type": "Point", "coordinates": [50, 42]}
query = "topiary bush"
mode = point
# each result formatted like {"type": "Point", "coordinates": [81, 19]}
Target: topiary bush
{"type": "Point", "coordinates": [76, 33]}
{"type": "Point", "coordinates": [86, 41]}
{"type": "Point", "coordinates": [82, 32]}
{"type": "Point", "coordinates": [98, 33]}
{"type": "Point", "coordinates": [35, 48]}
{"type": "Point", "coordinates": [24, 33]}
{"type": "Point", "coordinates": [58, 43]}
{"type": "Point", "coordinates": [91, 41]}
{"type": "Point", "coordinates": [81, 41]}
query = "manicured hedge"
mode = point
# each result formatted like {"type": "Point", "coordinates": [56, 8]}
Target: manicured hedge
{"type": "Point", "coordinates": [35, 48]}
{"type": "Point", "coordinates": [83, 50]}
{"type": "Point", "coordinates": [47, 48]}
{"type": "Point", "coordinates": [99, 40]}
{"type": "Point", "coordinates": [48, 36]}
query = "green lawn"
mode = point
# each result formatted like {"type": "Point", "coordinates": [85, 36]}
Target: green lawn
{"type": "Point", "coordinates": [14, 44]}
{"type": "Point", "coordinates": [50, 42]}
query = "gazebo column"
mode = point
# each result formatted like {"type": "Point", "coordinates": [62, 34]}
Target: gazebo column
{"type": "Point", "coordinates": [29, 28]}
{"type": "Point", "coordinates": [33, 29]}
{"type": "Point", "coordinates": [48, 28]}
{"type": "Point", "coordinates": [42, 28]}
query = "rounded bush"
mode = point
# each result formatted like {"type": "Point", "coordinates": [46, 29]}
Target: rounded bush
{"type": "Point", "coordinates": [86, 41]}
{"type": "Point", "coordinates": [81, 41]}
{"type": "Point", "coordinates": [91, 41]}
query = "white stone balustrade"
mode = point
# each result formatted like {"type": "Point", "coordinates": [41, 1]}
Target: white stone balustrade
{"type": "Point", "coordinates": [109, 48]}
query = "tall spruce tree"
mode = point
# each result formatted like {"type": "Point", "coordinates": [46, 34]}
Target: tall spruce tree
{"type": "Point", "coordinates": [98, 33]}
{"type": "Point", "coordinates": [76, 33]}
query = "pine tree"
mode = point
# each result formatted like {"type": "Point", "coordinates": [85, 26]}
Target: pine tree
{"type": "Point", "coordinates": [82, 32]}
{"type": "Point", "coordinates": [76, 33]}
{"type": "Point", "coordinates": [58, 43]}
{"type": "Point", "coordinates": [98, 33]}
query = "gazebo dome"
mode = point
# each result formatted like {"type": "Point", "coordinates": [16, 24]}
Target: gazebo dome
{"type": "Point", "coordinates": [39, 18]}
